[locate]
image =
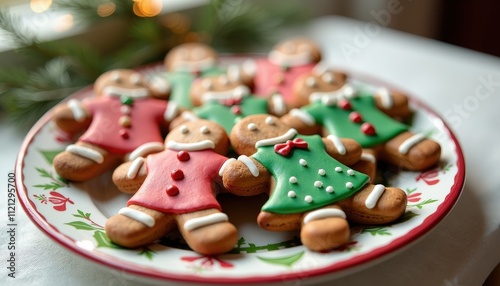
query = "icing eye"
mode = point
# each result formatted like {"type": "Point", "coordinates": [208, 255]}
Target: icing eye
{"type": "Point", "coordinates": [204, 130]}
{"type": "Point", "coordinates": [348, 91]}
{"type": "Point", "coordinates": [311, 82]}
{"type": "Point", "coordinates": [270, 120]}
{"type": "Point", "coordinates": [115, 76]}
{"type": "Point", "coordinates": [252, 126]}
{"type": "Point", "coordinates": [135, 79]}
{"type": "Point", "coordinates": [328, 78]}
{"type": "Point", "coordinates": [184, 129]}
{"type": "Point", "coordinates": [207, 84]}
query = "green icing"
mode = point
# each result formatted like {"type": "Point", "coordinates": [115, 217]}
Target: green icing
{"type": "Point", "coordinates": [222, 114]}
{"type": "Point", "coordinates": [336, 120]}
{"type": "Point", "coordinates": [282, 168]}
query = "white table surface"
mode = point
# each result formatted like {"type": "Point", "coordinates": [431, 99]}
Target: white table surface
{"type": "Point", "coordinates": [461, 250]}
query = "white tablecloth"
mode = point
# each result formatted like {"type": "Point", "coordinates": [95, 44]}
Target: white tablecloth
{"type": "Point", "coordinates": [461, 85]}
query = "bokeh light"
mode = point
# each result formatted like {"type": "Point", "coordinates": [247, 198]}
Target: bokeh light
{"type": "Point", "coordinates": [147, 8]}
{"type": "Point", "coordinates": [40, 6]}
{"type": "Point", "coordinates": [106, 9]}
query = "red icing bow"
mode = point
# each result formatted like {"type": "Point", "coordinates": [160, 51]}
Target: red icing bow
{"type": "Point", "coordinates": [284, 148]}
{"type": "Point", "coordinates": [231, 101]}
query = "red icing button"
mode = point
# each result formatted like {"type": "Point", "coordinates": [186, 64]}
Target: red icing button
{"type": "Point", "coordinates": [177, 174]}
{"type": "Point", "coordinates": [355, 117]}
{"type": "Point", "coordinates": [172, 190]}
{"type": "Point", "coordinates": [368, 129]}
{"type": "Point", "coordinates": [183, 156]}
{"type": "Point", "coordinates": [236, 109]}
{"type": "Point", "coordinates": [124, 134]}
{"type": "Point", "coordinates": [344, 104]}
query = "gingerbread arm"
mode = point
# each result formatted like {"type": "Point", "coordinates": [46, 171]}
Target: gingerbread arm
{"type": "Point", "coordinates": [296, 119]}
{"type": "Point", "coordinates": [392, 103]}
{"type": "Point", "coordinates": [129, 176]}
{"type": "Point", "coordinates": [245, 176]}
{"type": "Point", "coordinates": [346, 151]}
{"type": "Point", "coordinates": [277, 105]}
{"type": "Point", "coordinates": [72, 117]}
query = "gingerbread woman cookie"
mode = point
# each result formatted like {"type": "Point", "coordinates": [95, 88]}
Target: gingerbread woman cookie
{"type": "Point", "coordinates": [176, 188]}
{"type": "Point", "coordinates": [309, 184]}
{"type": "Point", "coordinates": [366, 117]}
{"type": "Point", "coordinates": [225, 101]}
{"type": "Point", "coordinates": [123, 121]}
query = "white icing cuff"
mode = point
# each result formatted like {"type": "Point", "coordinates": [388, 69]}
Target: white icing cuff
{"type": "Point", "coordinates": [160, 84]}
{"type": "Point", "coordinates": [368, 157]}
{"type": "Point", "coordinates": [338, 144]}
{"type": "Point", "coordinates": [145, 149]}
{"type": "Point", "coordinates": [139, 216]}
{"type": "Point", "coordinates": [250, 67]}
{"type": "Point", "coordinates": [77, 110]}
{"type": "Point", "coordinates": [188, 115]}
{"type": "Point", "coordinates": [250, 165]}
{"type": "Point", "coordinates": [234, 73]}
{"type": "Point", "coordinates": [374, 196]}
{"type": "Point", "coordinates": [385, 98]}
{"type": "Point", "coordinates": [323, 213]}
{"type": "Point", "coordinates": [86, 153]}
{"type": "Point", "coordinates": [303, 116]}
{"type": "Point", "coordinates": [410, 142]}
{"type": "Point", "coordinates": [135, 167]}
{"type": "Point", "coordinates": [224, 166]}
{"type": "Point", "coordinates": [278, 104]}
{"type": "Point", "coordinates": [171, 111]}
{"type": "Point", "coordinates": [214, 218]}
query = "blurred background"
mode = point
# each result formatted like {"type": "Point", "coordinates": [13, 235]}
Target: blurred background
{"type": "Point", "coordinates": [51, 48]}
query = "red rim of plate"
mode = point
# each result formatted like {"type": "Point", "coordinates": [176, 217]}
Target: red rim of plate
{"type": "Point", "coordinates": [110, 261]}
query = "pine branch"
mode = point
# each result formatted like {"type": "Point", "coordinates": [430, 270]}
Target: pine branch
{"type": "Point", "coordinates": [86, 11]}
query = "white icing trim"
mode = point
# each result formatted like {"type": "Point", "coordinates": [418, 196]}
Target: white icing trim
{"type": "Point", "coordinates": [196, 146]}
{"type": "Point", "coordinates": [132, 92]}
{"type": "Point", "coordinates": [224, 166]}
{"type": "Point", "coordinates": [159, 84]}
{"type": "Point", "coordinates": [281, 59]}
{"type": "Point", "coordinates": [188, 115]}
{"type": "Point", "coordinates": [385, 98]}
{"type": "Point", "coordinates": [236, 93]}
{"type": "Point", "coordinates": [77, 110]}
{"type": "Point", "coordinates": [86, 153]}
{"type": "Point", "coordinates": [139, 216]}
{"type": "Point", "coordinates": [329, 98]}
{"type": "Point", "coordinates": [338, 144]}
{"type": "Point", "coordinates": [410, 142]}
{"type": "Point", "coordinates": [234, 72]}
{"type": "Point", "coordinates": [145, 149]}
{"type": "Point", "coordinates": [250, 165]}
{"type": "Point", "coordinates": [278, 104]}
{"type": "Point", "coordinates": [368, 157]}
{"type": "Point", "coordinates": [303, 116]}
{"type": "Point", "coordinates": [210, 219]}
{"type": "Point", "coordinates": [171, 111]}
{"type": "Point", "coordinates": [374, 196]}
{"type": "Point", "coordinates": [323, 213]}
{"type": "Point", "coordinates": [280, 139]}
{"type": "Point", "coordinates": [134, 168]}
{"type": "Point", "coordinates": [249, 66]}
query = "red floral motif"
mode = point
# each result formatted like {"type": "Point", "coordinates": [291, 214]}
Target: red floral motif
{"type": "Point", "coordinates": [429, 177]}
{"type": "Point", "coordinates": [413, 198]}
{"type": "Point", "coordinates": [59, 201]}
{"type": "Point", "coordinates": [207, 261]}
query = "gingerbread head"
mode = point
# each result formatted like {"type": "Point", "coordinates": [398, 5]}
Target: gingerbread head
{"type": "Point", "coordinates": [294, 52]}
{"type": "Point", "coordinates": [191, 57]}
{"type": "Point", "coordinates": [310, 85]}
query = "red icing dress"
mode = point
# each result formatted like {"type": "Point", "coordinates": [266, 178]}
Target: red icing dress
{"type": "Point", "coordinates": [111, 132]}
{"type": "Point", "coordinates": [271, 78]}
{"type": "Point", "coordinates": [179, 183]}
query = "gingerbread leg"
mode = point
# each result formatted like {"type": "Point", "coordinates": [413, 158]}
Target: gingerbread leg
{"type": "Point", "coordinates": [375, 204]}
{"type": "Point", "coordinates": [367, 164]}
{"type": "Point", "coordinates": [411, 151]}
{"type": "Point", "coordinates": [135, 226]}
{"type": "Point", "coordinates": [81, 162]}
{"type": "Point", "coordinates": [207, 231]}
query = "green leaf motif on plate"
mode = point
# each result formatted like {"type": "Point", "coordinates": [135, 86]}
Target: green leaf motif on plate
{"type": "Point", "coordinates": [103, 240]}
{"type": "Point", "coordinates": [421, 204]}
{"type": "Point", "coordinates": [49, 155]}
{"type": "Point", "coordinates": [376, 231]}
{"type": "Point", "coordinates": [285, 260]}
{"type": "Point", "coordinates": [82, 225]}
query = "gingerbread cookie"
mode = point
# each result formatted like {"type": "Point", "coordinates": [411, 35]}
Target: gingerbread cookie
{"type": "Point", "coordinates": [309, 184]}
{"type": "Point", "coordinates": [123, 121]}
{"type": "Point", "coordinates": [366, 117]}
{"type": "Point", "coordinates": [176, 188]}
{"type": "Point", "coordinates": [225, 101]}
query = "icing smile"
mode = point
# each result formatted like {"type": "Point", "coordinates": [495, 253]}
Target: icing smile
{"type": "Point", "coordinates": [280, 139]}
{"type": "Point", "coordinates": [297, 59]}
{"type": "Point", "coordinates": [329, 98]}
{"type": "Point", "coordinates": [235, 93]}
{"type": "Point", "coordinates": [195, 146]}
{"type": "Point", "coordinates": [128, 92]}
{"type": "Point", "coordinates": [195, 65]}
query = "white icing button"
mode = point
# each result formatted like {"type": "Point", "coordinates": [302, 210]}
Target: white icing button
{"type": "Point", "coordinates": [125, 109]}
{"type": "Point", "coordinates": [350, 172]}
{"type": "Point", "coordinates": [321, 172]}
{"type": "Point", "coordinates": [308, 199]}
{"type": "Point", "coordinates": [293, 180]}
{"type": "Point", "coordinates": [349, 185]}
{"type": "Point", "coordinates": [204, 130]}
{"type": "Point", "coordinates": [252, 126]}
{"type": "Point", "coordinates": [318, 184]}
{"type": "Point", "coordinates": [338, 169]}
{"type": "Point", "coordinates": [291, 194]}
{"type": "Point", "coordinates": [329, 189]}
{"type": "Point", "coordinates": [184, 129]}
{"type": "Point", "coordinates": [303, 162]}
{"type": "Point", "coordinates": [269, 120]}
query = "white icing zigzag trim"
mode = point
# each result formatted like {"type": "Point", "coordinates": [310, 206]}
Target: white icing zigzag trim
{"type": "Point", "coordinates": [139, 216]}
{"type": "Point", "coordinates": [86, 153]}
{"type": "Point", "coordinates": [198, 222]}
{"type": "Point", "coordinates": [323, 213]}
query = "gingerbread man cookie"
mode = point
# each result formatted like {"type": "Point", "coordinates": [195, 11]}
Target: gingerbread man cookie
{"type": "Point", "coordinates": [308, 180]}
{"type": "Point", "coordinates": [225, 101]}
{"type": "Point", "coordinates": [176, 188]}
{"type": "Point", "coordinates": [123, 121]}
{"type": "Point", "coordinates": [366, 117]}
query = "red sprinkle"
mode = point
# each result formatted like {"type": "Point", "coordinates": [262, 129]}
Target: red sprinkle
{"type": "Point", "coordinates": [368, 129]}
{"type": "Point", "coordinates": [172, 190]}
{"type": "Point", "coordinates": [344, 104]}
{"type": "Point", "coordinates": [177, 174]}
{"type": "Point", "coordinates": [355, 117]}
{"type": "Point", "coordinates": [183, 156]}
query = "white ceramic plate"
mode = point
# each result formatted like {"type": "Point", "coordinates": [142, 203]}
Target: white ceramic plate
{"type": "Point", "coordinates": [74, 215]}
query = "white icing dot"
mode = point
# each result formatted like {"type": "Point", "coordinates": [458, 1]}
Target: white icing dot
{"type": "Point", "coordinates": [291, 194]}
{"type": "Point", "coordinates": [204, 130]}
{"type": "Point", "coordinates": [350, 172]}
{"type": "Point", "coordinates": [303, 162]}
{"type": "Point", "coordinates": [329, 189]}
{"type": "Point", "coordinates": [293, 180]}
{"type": "Point", "coordinates": [338, 169]}
{"type": "Point", "coordinates": [308, 199]}
{"type": "Point", "coordinates": [318, 184]}
{"type": "Point", "coordinates": [252, 126]}
{"type": "Point", "coordinates": [311, 82]}
{"type": "Point", "coordinates": [321, 172]}
{"type": "Point", "coordinates": [328, 77]}
{"type": "Point", "coordinates": [349, 185]}
{"type": "Point", "coordinates": [184, 129]}
{"type": "Point", "coordinates": [125, 109]}
{"type": "Point", "coordinates": [135, 78]}
{"type": "Point", "coordinates": [270, 120]}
